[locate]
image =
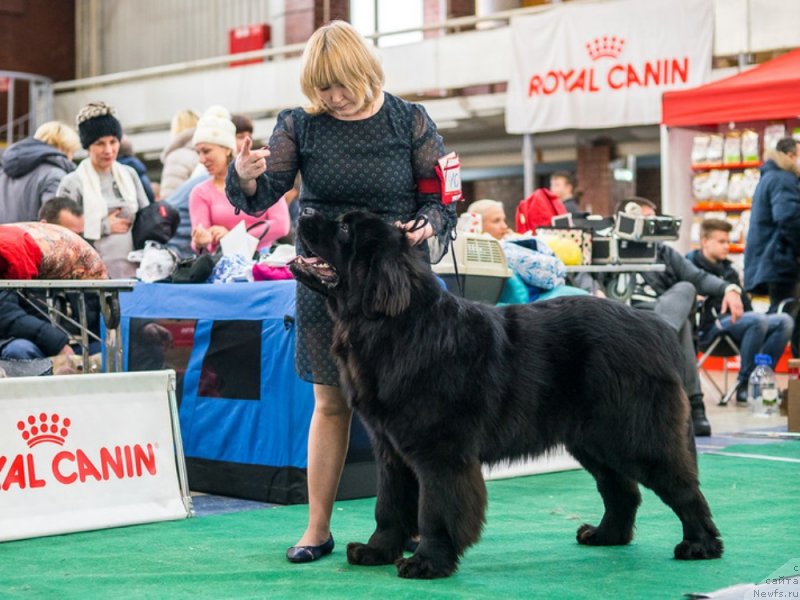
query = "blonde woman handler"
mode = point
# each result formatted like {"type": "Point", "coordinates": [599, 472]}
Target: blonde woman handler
{"type": "Point", "coordinates": [356, 147]}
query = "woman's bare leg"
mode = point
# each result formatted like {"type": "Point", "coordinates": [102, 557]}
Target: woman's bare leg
{"type": "Point", "coordinates": [328, 438]}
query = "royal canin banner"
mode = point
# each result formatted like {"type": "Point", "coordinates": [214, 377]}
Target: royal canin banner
{"type": "Point", "coordinates": [587, 66]}
{"type": "Point", "coordinates": [80, 452]}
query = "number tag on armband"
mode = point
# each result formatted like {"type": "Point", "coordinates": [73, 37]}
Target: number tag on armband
{"type": "Point", "coordinates": [448, 169]}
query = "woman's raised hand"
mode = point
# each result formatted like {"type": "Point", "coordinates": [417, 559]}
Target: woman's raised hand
{"type": "Point", "coordinates": [251, 163]}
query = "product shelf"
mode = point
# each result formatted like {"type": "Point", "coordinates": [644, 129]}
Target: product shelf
{"type": "Point", "coordinates": [730, 166]}
{"type": "Point", "coordinates": [708, 206]}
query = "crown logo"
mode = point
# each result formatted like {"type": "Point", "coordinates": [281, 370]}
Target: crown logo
{"type": "Point", "coordinates": [44, 428]}
{"type": "Point", "coordinates": [608, 46]}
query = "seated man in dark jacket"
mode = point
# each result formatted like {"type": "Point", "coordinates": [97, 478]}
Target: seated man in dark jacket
{"type": "Point", "coordinates": [754, 333]}
{"type": "Point", "coordinates": [672, 295]}
{"type": "Point", "coordinates": [24, 335]}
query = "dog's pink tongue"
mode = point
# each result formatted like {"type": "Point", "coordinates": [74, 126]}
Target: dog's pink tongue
{"type": "Point", "coordinates": [306, 260]}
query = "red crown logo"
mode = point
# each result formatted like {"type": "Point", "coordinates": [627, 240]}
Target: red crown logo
{"type": "Point", "coordinates": [608, 46]}
{"type": "Point", "coordinates": [44, 428]}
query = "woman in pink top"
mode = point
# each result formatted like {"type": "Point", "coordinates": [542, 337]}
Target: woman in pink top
{"type": "Point", "coordinates": [211, 214]}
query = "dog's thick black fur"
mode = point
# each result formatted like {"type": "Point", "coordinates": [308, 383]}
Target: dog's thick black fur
{"type": "Point", "coordinates": [445, 384]}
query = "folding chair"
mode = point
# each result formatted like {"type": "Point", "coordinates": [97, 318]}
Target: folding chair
{"type": "Point", "coordinates": [720, 346]}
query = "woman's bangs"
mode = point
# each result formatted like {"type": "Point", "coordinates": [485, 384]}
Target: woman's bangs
{"type": "Point", "coordinates": [326, 70]}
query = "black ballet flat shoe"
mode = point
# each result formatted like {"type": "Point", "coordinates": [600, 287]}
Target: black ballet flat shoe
{"type": "Point", "coordinates": [304, 554]}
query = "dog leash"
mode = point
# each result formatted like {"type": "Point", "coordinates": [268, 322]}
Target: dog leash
{"type": "Point", "coordinates": [422, 221]}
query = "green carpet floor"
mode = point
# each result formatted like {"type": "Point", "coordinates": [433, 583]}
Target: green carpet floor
{"type": "Point", "coordinates": [528, 548]}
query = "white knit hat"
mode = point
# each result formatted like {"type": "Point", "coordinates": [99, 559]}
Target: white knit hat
{"type": "Point", "coordinates": [216, 127]}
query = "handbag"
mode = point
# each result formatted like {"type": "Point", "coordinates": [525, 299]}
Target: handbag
{"type": "Point", "coordinates": [156, 222]}
{"type": "Point", "coordinates": [196, 269]}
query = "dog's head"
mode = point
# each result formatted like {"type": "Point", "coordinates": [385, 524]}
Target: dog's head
{"type": "Point", "coordinates": [365, 264]}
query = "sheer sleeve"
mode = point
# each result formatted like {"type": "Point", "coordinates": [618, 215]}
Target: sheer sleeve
{"type": "Point", "coordinates": [282, 166]}
{"type": "Point", "coordinates": [427, 148]}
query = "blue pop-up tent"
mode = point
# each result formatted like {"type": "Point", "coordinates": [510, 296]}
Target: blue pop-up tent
{"type": "Point", "coordinates": [244, 413]}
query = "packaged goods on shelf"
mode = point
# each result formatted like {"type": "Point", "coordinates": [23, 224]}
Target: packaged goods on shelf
{"type": "Point", "coordinates": [732, 152]}
{"type": "Point", "coordinates": [750, 146]}
{"type": "Point", "coordinates": [744, 223]}
{"type": "Point", "coordinates": [773, 133]}
{"type": "Point", "coordinates": [751, 177]}
{"type": "Point", "coordinates": [701, 186]}
{"type": "Point", "coordinates": [715, 149]}
{"type": "Point", "coordinates": [738, 234]}
{"type": "Point", "coordinates": [700, 149]}
{"type": "Point", "coordinates": [719, 184]}
{"type": "Point", "coordinates": [736, 188]}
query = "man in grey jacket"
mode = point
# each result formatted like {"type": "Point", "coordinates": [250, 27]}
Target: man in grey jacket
{"type": "Point", "coordinates": [31, 170]}
{"type": "Point", "coordinates": [672, 295]}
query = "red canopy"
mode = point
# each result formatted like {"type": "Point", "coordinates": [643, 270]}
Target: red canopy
{"type": "Point", "coordinates": [768, 91]}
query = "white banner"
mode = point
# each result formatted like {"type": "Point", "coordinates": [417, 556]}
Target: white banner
{"type": "Point", "coordinates": [81, 452]}
{"type": "Point", "coordinates": [586, 66]}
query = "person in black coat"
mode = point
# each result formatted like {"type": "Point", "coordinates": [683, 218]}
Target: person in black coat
{"type": "Point", "coordinates": [772, 250]}
{"type": "Point", "coordinates": [754, 333]}
{"type": "Point", "coordinates": [26, 336]}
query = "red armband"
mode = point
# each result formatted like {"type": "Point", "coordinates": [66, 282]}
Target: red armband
{"type": "Point", "coordinates": [429, 186]}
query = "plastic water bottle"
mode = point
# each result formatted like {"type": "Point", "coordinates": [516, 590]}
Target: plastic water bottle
{"type": "Point", "coordinates": [762, 388]}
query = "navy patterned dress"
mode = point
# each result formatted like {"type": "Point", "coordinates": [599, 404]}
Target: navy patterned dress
{"type": "Point", "coordinates": [370, 164]}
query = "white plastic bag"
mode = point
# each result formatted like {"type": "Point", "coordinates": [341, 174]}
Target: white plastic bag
{"type": "Point", "coordinates": [157, 262]}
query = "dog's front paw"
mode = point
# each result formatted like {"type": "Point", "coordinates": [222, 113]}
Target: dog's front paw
{"type": "Point", "coordinates": [699, 550]}
{"type": "Point", "coordinates": [369, 556]}
{"type": "Point", "coordinates": [589, 535]}
{"type": "Point", "coordinates": [422, 567]}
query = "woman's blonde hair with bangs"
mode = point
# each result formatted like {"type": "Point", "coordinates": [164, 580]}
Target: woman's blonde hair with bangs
{"type": "Point", "coordinates": [337, 54]}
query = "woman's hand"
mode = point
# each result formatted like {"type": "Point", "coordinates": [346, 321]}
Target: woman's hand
{"type": "Point", "coordinates": [418, 235]}
{"type": "Point", "coordinates": [201, 237]}
{"type": "Point", "coordinates": [217, 233]}
{"type": "Point", "coordinates": [118, 224]}
{"type": "Point", "coordinates": [249, 165]}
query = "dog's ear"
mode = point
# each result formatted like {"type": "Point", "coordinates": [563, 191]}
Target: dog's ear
{"type": "Point", "coordinates": [387, 289]}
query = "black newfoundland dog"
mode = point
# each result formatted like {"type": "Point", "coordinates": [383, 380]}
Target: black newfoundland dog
{"type": "Point", "coordinates": [445, 384]}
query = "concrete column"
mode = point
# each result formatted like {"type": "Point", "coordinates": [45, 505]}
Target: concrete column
{"type": "Point", "coordinates": [528, 164]}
